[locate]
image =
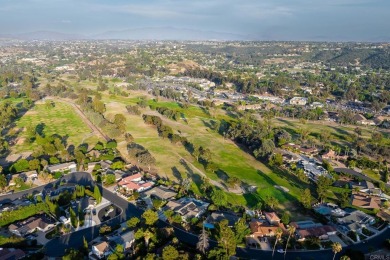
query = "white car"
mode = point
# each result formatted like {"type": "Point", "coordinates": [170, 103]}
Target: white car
{"type": "Point", "coordinates": [280, 251]}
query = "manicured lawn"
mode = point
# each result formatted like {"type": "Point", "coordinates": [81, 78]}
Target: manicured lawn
{"type": "Point", "coordinates": [231, 159]}
{"type": "Point", "coordinates": [60, 119]}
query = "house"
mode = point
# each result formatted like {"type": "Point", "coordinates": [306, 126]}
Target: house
{"type": "Point", "coordinates": [331, 155]}
{"type": "Point", "coordinates": [263, 229]}
{"type": "Point", "coordinates": [30, 225]}
{"type": "Point", "coordinates": [105, 164]}
{"type": "Point", "coordinates": [217, 217]}
{"type": "Point", "coordinates": [290, 158]}
{"type": "Point", "coordinates": [11, 254]}
{"type": "Point", "coordinates": [312, 170]}
{"type": "Point", "coordinates": [134, 183]}
{"type": "Point", "coordinates": [360, 119]}
{"type": "Point", "coordinates": [367, 187]}
{"type": "Point", "coordinates": [321, 232]}
{"type": "Point", "coordinates": [365, 202]}
{"type": "Point", "coordinates": [332, 116]}
{"type": "Point", "coordinates": [187, 207]}
{"type": "Point", "coordinates": [378, 120]}
{"type": "Point", "coordinates": [160, 192]}
{"type": "Point", "coordinates": [14, 179]}
{"type": "Point", "coordinates": [62, 167]}
{"type": "Point", "coordinates": [100, 250]}
{"type": "Point", "coordinates": [125, 239]}
{"type": "Point", "coordinates": [272, 218]}
{"type": "Point", "coordinates": [298, 101]}
{"type": "Point", "coordinates": [29, 176]}
{"type": "Point", "coordinates": [356, 217]}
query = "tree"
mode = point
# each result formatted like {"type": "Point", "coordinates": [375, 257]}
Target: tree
{"type": "Point", "coordinates": [20, 166]}
{"type": "Point", "coordinates": [34, 164]}
{"type": "Point", "coordinates": [233, 182]}
{"type": "Point", "coordinates": [219, 197]}
{"type": "Point", "coordinates": [271, 201]}
{"type": "Point", "coordinates": [133, 222]}
{"type": "Point", "coordinates": [336, 248]}
{"type": "Point", "coordinates": [73, 218]}
{"type": "Point", "coordinates": [285, 218]}
{"type": "Point", "coordinates": [226, 238]}
{"type": "Point", "coordinates": [344, 199]}
{"type": "Point", "coordinates": [3, 182]}
{"type": "Point", "coordinates": [306, 198]}
{"type": "Point", "coordinates": [323, 185]}
{"type": "Point", "coordinates": [150, 217]}
{"type": "Point", "coordinates": [291, 231]}
{"type": "Point", "coordinates": [170, 253]}
{"type": "Point", "coordinates": [266, 148]}
{"type": "Point", "coordinates": [203, 243]}
{"type": "Point", "coordinates": [109, 179]}
{"type": "Point", "coordinates": [118, 252]}
{"type": "Point", "coordinates": [111, 144]}
{"type": "Point", "coordinates": [278, 235]}
{"type": "Point", "coordinates": [118, 165]}
{"type": "Point", "coordinates": [241, 230]}
{"type": "Point", "coordinates": [97, 195]}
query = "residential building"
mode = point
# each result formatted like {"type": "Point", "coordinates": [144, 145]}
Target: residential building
{"type": "Point", "coordinates": [11, 254]}
{"type": "Point", "coordinates": [125, 239]}
{"type": "Point", "coordinates": [62, 167]}
{"type": "Point", "coordinates": [30, 225]}
{"type": "Point", "coordinates": [360, 119]}
{"type": "Point", "coordinates": [312, 170]}
{"type": "Point", "coordinates": [187, 207]}
{"type": "Point", "coordinates": [160, 192]}
{"type": "Point", "coordinates": [264, 229]}
{"type": "Point", "coordinates": [321, 232]}
{"type": "Point", "coordinates": [217, 217]}
{"type": "Point", "coordinates": [272, 218]}
{"type": "Point", "coordinates": [298, 101]}
{"type": "Point", "coordinates": [356, 220]}
{"type": "Point", "coordinates": [366, 202]}
{"type": "Point", "coordinates": [101, 250]}
{"type": "Point", "coordinates": [134, 183]}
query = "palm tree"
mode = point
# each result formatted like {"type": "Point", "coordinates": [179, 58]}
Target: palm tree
{"type": "Point", "coordinates": [291, 231]}
{"type": "Point", "coordinates": [203, 242]}
{"type": "Point", "coordinates": [336, 248]}
{"type": "Point", "coordinates": [147, 236]}
{"type": "Point", "coordinates": [278, 235]}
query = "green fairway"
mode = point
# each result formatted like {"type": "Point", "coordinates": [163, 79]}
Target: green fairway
{"type": "Point", "coordinates": [60, 119]}
{"type": "Point", "coordinates": [232, 161]}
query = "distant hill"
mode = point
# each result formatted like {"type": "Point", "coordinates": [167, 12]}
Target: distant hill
{"type": "Point", "coordinates": [374, 58]}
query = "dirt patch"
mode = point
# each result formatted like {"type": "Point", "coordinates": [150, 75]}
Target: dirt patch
{"type": "Point", "coordinates": [20, 140]}
{"type": "Point", "coordinates": [31, 112]}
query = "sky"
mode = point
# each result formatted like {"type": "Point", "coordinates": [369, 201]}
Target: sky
{"type": "Point", "coordinates": [332, 20]}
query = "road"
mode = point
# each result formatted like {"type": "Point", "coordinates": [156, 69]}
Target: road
{"type": "Point", "coordinates": [82, 178]}
{"type": "Point", "coordinates": [57, 246]}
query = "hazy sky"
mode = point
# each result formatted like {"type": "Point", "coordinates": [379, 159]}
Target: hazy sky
{"type": "Point", "coordinates": [263, 19]}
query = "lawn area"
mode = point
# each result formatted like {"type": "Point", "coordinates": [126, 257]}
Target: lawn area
{"type": "Point", "coordinates": [338, 132]}
{"type": "Point", "coordinates": [60, 119]}
{"type": "Point", "coordinates": [372, 174]}
{"type": "Point", "coordinates": [231, 159]}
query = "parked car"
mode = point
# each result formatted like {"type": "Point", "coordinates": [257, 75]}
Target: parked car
{"type": "Point", "coordinates": [280, 251]}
